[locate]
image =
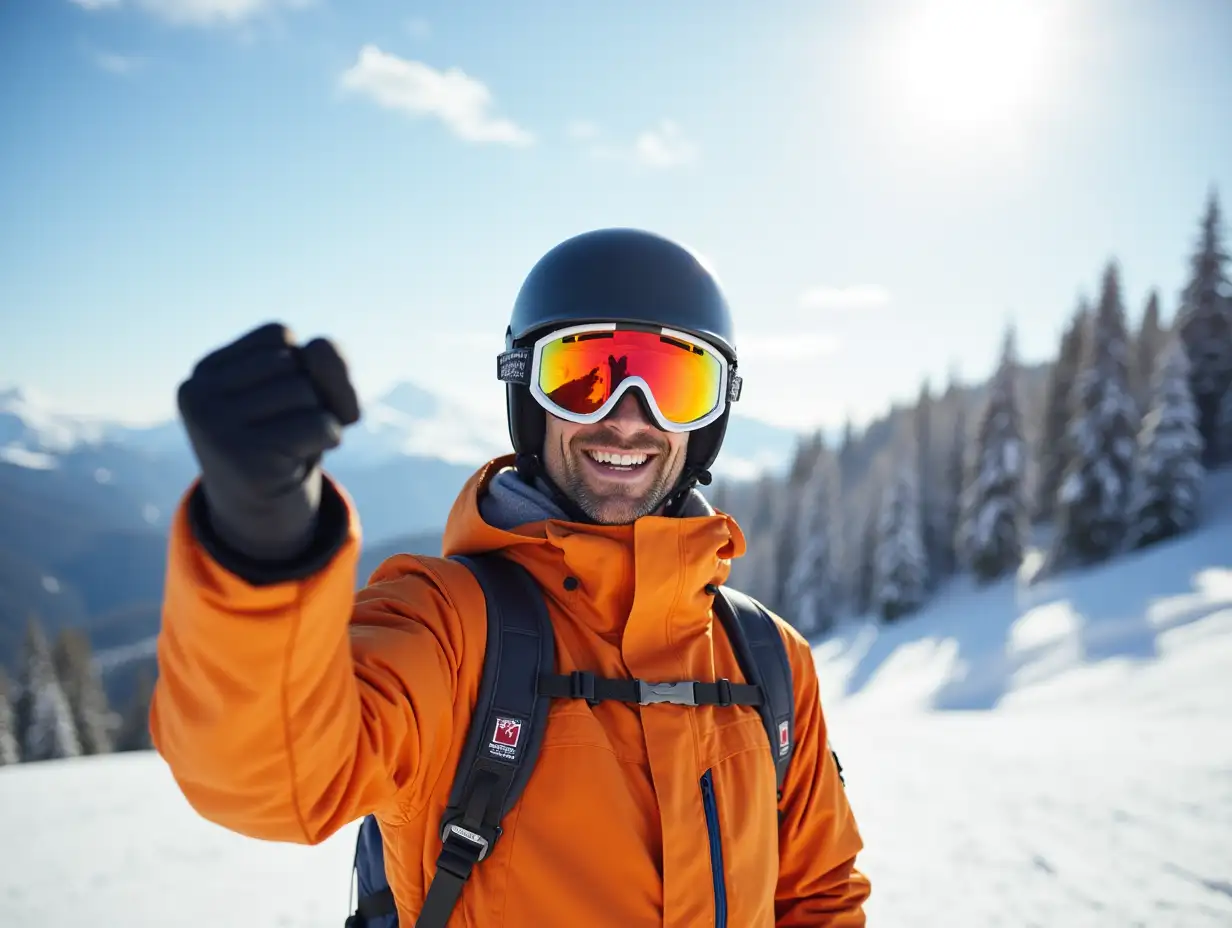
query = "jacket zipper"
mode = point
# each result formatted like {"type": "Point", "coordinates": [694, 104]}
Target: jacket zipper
{"type": "Point", "coordinates": [716, 850]}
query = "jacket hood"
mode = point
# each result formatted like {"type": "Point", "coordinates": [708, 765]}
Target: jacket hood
{"type": "Point", "coordinates": [668, 557]}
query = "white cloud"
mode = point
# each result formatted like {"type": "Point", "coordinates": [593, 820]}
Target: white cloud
{"type": "Point", "coordinates": [583, 130]}
{"type": "Point", "coordinates": [200, 12]}
{"type": "Point", "coordinates": [797, 346]}
{"type": "Point", "coordinates": [418, 28]}
{"type": "Point", "coordinates": [665, 146]}
{"type": "Point", "coordinates": [840, 299]}
{"type": "Point", "coordinates": [117, 64]}
{"type": "Point", "coordinates": [461, 102]}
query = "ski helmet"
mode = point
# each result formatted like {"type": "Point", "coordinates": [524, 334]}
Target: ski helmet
{"type": "Point", "coordinates": [619, 275]}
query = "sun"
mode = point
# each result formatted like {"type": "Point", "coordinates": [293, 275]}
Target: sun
{"type": "Point", "coordinates": [966, 71]}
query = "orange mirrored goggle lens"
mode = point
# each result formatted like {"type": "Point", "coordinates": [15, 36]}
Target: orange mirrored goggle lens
{"type": "Point", "coordinates": [579, 372]}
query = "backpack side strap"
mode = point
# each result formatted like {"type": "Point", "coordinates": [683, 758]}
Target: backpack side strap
{"type": "Point", "coordinates": [582, 684]}
{"type": "Point", "coordinates": [763, 657]}
{"type": "Point", "coordinates": [506, 729]}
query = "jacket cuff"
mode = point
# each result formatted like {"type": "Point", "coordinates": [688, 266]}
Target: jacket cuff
{"type": "Point", "coordinates": [332, 529]}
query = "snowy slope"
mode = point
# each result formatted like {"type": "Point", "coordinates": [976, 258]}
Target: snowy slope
{"type": "Point", "coordinates": [1016, 756]}
{"type": "Point", "coordinates": [1092, 637]}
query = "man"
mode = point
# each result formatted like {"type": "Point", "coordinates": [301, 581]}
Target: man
{"type": "Point", "coordinates": [288, 705]}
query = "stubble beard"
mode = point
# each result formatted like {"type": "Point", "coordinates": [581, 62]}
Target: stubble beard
{"type": "Point", "coordinates": [618, 506]}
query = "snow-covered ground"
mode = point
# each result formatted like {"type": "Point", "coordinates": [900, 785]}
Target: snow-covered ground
{"type": "Point", "coordinates": [1051, 755]}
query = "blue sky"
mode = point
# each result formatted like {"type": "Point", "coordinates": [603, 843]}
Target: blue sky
{"type": "Point", "coordinates": [881, 186]}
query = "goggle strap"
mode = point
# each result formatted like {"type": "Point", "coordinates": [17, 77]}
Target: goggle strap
{"type": "Point", "coordinates": [513, 366]}
{"type": "Point", "coordinates": [735, 382]}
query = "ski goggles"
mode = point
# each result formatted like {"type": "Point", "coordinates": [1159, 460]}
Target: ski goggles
{"type": "Point", "coordinates": [580, 373]}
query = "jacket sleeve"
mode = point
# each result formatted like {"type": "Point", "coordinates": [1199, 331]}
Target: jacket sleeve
{"type": "Point", "coordinates": [286, 711]}
{"type": "Point", "coordinates": [819, 885]}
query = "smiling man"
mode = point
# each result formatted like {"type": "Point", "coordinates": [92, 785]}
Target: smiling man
{"type": "Point", "coordinates": [287, 705]}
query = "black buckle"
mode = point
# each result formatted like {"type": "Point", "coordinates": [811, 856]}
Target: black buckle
{"type": "Point", "coordinates": [678, 694]}
{"type": "Point", "coordinates": [725, 693]}
{"type": "Point", "coordinates": [582, 686]}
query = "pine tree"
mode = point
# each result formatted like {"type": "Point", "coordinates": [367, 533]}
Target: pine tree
{"type": "Point", "coordinates": [1204, 321]}
{"type": "Point", "coordinates": [922, 420]}
{"type": "Point", "coordinates": [1093, 502]}
{"type": "Point", "coordinates": [1224, 428]}
{"type": "Point", "coordinates": [808, 450]}
{"type": "Point", "coordinates": [1054, 451]}
{"type": "Point", "coordinates": [83, 688]}
{"type": "Point", "coordinates": [955, 488]}
{"type": "Point", "coordinates": [134, 733]}
{"type": "Point", "coordinates": [866, 557]}
{"type": "Point", "coordinates": [9, 750]}
{"type": "Point", "coordinates": [992, 536]}
{"type": "Point", "coordinates": [812, 588]}
{"type": "Point", "coordinates": [900, 567]}
{"type": "Point", "coordinates": [1168, 475]}
{"type": "Point", "coordinates": [44, 718]}
{"type": "Point", "coordinates": [1147, 346]}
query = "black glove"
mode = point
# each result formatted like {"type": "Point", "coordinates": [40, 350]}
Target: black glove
{"type": "Point", "coordinates": [259, 413]}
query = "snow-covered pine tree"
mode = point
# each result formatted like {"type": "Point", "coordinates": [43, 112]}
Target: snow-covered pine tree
{"type": "Point", "coordinates": [955, 486]}
{"type": "Point", "coordinates": [9, 750]}
{"type": "Point", "coordinates": [1093, 502]}
{"type": "Point", "coordinates": [923, 419]}
{"type": "Point", "coordinates": [866, 555]}
{"type": "Point", "coordinates": [45, 728]}
{"type": "Point", "coordinates": [1224, 429]}
{"type": "Point", "coordinates": [993, 531]}
{"type": "Point", "coordinates": [808, 449]}
{"type": "Point", "coordinates": [95, 722]}
{"type": "Point", "coordinates": [900, 566]}
{"type": "Point", "coordinates": [1148, 342]}
{"type": "Point", "coordinates": [812, 593]}
{"type": "Point", "coordinates": [1204, 320]}
{"type": "Point", "coordinates": [1053, 451]}
{"type": "Point", "coordinates": [1168, 475]}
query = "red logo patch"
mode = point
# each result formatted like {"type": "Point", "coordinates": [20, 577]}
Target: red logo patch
{"type": "Point", "coordinates": [508, 731]}
{"type": "Point", "coordinates": [784, 736]}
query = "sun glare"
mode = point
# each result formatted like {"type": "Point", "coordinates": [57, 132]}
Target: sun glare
{"type": "Point", "coordinates": [966, 71]}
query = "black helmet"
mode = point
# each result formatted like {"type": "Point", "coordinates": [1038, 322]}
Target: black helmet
{"type": "Point", "coordinates": [619, 275]}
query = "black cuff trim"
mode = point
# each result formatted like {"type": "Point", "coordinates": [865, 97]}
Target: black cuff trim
{"type": "Point", "coordinates": [331, 533]}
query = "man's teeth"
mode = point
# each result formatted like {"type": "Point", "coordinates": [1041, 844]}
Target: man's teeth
{"type": "Point", "coordinates": [620, 460]}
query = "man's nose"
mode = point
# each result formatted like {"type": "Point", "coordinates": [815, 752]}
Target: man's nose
{"type": "Point", "coordinates": [628, 416]}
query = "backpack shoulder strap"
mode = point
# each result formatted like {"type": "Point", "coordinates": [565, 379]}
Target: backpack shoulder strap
{"type": "Point", "coordinates": [763, 658]}
{"type": "Point", "coordinates": [502, 744]}
{"type": "Point", "coordinates": [505, 733]}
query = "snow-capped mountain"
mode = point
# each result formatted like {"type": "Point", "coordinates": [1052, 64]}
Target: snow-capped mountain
{"type": "Point", "coordinates": [410, 421]}
{"type": "Point", "coordinates": [31, 433]}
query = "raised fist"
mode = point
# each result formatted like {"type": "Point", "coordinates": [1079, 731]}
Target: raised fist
{"type": "Point", "coordinates": [259, 413]}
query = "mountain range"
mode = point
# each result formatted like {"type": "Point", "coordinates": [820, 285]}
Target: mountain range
{"type": "Point", "coordinates": [85, 505]}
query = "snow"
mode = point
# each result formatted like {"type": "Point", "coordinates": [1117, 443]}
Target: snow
{"type": "Point", "coordinates": [1018, 754]}
{"type": "Point", "coordinates": [1050, 754]}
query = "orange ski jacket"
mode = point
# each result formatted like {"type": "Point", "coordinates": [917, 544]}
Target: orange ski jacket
{"type": "Point", "coordinates": [286, 712]}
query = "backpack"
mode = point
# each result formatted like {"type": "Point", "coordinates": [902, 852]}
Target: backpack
{"type": "Point", "coordinates": [510, 716]}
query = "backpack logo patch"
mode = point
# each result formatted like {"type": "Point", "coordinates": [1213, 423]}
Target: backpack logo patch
{"type": "Point", "coordinates": [784, 738]}
{"type": "Point", "coordinates": [505, 737]}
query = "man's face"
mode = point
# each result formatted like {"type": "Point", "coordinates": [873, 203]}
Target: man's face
{"type": "Point", "coordinates": [579, 458]}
